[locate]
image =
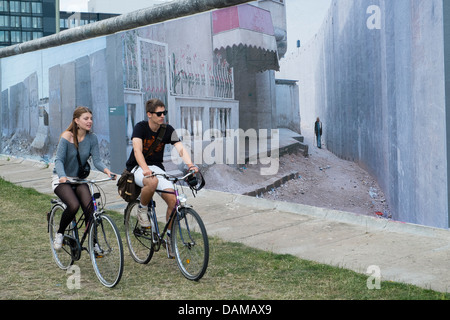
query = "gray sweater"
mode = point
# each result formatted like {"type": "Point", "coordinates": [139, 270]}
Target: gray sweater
{"type": "Point", "coordinates": [66, 163]}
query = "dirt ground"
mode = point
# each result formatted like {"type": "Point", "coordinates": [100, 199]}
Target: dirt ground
{"type": "Point", "coordinates": [322, 180]}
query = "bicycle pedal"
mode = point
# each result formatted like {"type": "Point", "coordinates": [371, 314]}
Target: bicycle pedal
{"type": "Point", "coordinates": [99, 255]}
{"type": "Point", "coordinates": [166, 246]}
{"type": "Point", "coordinates": [146, 231]}
{"type": "Point", "coordinates": [170, 257]}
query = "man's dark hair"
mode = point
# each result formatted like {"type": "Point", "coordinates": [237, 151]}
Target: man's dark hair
{"type": "Point", "coordinates": [152, 104]}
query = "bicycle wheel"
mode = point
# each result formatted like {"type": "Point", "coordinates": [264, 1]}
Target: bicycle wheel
{"type": "Point", "coordinates": [106, 251]}
{"type": "Point", "coordinates": [190, 244]}
{"type": "Point", "coordinates": [139, 241]}
{"type": "Point", "coordinates": [62, 257]}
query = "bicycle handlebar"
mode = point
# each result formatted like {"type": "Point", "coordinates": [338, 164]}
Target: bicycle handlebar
{"type": "Point", "coordinates": [82, 181]}
{"type": "Point", "coordinates": [171, 178]}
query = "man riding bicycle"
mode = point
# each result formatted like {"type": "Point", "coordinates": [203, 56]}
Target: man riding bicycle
{"type": "Point", "coordinates": [145, 134]}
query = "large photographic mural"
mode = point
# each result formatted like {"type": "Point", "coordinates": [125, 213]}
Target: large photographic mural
{"type": "Point", "coordinates": [193, 69]}
{"type": "Point", "coordinates": [375, 73]}
{"type": "Point", "coordinates": [40, 90]}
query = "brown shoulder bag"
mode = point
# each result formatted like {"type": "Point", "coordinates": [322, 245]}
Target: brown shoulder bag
{"type": "Point", "coordinates": [127, 188]}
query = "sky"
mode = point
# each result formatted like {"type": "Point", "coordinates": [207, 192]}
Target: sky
{"type": "Point", "coordinates": [304, 17]}
{"type": "Point", "coordinates": [73, 5]}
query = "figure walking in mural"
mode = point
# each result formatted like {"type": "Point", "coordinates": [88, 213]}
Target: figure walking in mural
{"type": "Point", "coordinates": [76, 139]}
{"type": "Point", "coordinates": [145, 133]}
{"type": "Point", "coordinates": [318, 132]}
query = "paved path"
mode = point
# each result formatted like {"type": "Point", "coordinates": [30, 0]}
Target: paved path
{"type": "Point", "coordinates": [403, 252]}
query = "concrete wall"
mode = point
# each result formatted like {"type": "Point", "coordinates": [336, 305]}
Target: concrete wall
{"type": "Point", "coordinates": [288, 109]}
{"type": "Point", "coordinates": [376, 79]}
{"type": "Point", "coordinates": [257, 99]}
{"type": "Point", "coordinates": [446, 5]}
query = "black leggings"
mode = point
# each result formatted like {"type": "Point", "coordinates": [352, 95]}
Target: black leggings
{"type": "Point", "coordinates": [73, 196]}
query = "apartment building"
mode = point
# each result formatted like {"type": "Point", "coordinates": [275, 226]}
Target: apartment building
{"type": "Point", "coordinates": [25, 20]}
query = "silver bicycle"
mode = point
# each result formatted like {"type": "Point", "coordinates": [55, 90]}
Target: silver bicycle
{"type": "Point", "coordinates": [104, 243]}
{"type": "Point", "coordinates": [189, 239]}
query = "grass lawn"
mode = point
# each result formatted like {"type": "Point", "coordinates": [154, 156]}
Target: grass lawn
{"type": "Point", "coordinates": [235, 272]}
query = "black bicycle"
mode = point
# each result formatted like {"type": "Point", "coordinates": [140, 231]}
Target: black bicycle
{"type": "Point", "coordinates": [189, 240]}
{"type": "Point", "coordinates": [104, 243]}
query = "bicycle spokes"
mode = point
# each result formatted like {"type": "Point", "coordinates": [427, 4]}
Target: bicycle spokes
{"type": "Point", "coordinates": [70, 243]}
{"type": "Point", "coordinates": [184, 223]}
{"type": "Point", "coordinates": [139, 240]}
{"type": "Point", "coordinates": [143, 235]}
{"type": "Point", "coordinates": [190, 245]}
{"type": "Point", "coordinates": [105, 248]}
{"type": "Point", "coordinates": [188, 241]}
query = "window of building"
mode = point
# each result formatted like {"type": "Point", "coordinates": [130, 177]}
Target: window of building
{"type": "Point", "coordinates": [15, 22]}
{"type": "Point", "coordinates": [4, 21]}
{"type": "Point", "coordinates": [37, 22]}
{"type": "Point", "coordinates": [63, 23]}
{"type": "Point", "coordinates": [26, 22]}
{"type": "Point", "coordinates": [14, 6]}
{"type": "Point", "coordinates": [26, 36]}
{"type": "Point", "coordinates": [25, 7]}
{"type": "Point", "coordinates": [4, 6]}
{"type": "Point", "coordinates": [16, 37]}
{"type": "Point", "coordinates": [36, 7]}
{"type": "Point", "coordinates": [73, 23]}
{"type": "Point", "coordinates": [37, 35]}
{"type": "Point", "coordinates": [4, 36]}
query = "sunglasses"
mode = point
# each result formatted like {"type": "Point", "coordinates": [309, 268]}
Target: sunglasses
{"type": "Point", "coordinates": [159, 114]}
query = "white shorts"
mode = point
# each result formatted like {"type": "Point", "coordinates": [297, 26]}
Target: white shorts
{"type": "Point", "coordinates": [163, 183]}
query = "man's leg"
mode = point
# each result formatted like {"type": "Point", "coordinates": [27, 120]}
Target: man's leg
{"type": "Point", "coordinates": [171, 201]}
{"type": "Point", "coordinates": [148, 190]}
{"type": "Point", "coordinates": [148, 187]}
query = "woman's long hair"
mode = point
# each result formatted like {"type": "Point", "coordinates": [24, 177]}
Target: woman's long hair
{"type": "Point", "coordinates": [73, 128]}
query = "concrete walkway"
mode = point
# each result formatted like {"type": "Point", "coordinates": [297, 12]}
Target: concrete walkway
{"type": "Point", "coordinates": [401, 252]}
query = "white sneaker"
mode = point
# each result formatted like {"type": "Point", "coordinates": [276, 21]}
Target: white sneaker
{"type": "Point", "coordinates": [143, 217]}
{"type": "Point", "coordinates": [58, 241]}
{"type": "Point", "coordinates": [98, 252]}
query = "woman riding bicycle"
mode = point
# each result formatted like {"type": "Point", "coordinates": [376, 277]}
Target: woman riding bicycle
{"type": "Point", "coordinates": [76, 139]}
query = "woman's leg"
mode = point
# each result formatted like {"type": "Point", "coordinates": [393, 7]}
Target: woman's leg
{"type": "Point", "coordinates": [70, 199]}
{"type": "Point", "coordinates": [84, 196]}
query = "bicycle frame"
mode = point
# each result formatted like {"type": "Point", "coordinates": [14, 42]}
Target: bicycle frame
{"type": "Point", "coordinates": [185, 223]}
{"type": "Point", "coordinates": [76, 223]}
{"type": "Point", "coordinates": [173, 214]}
{"type": "Point", "coordinates": [171, 217]}
{"type": "Point", "coordinates": [104, 244]}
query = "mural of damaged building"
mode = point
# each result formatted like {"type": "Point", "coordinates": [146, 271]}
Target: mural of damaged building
{"type": "Point", "coordinates": [377, 75]}
{"type": "Point", "coordinates": [215, 68]}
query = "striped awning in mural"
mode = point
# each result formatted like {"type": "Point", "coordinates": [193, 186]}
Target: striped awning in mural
{"type": "Point", "coordinates": [245, 35]}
